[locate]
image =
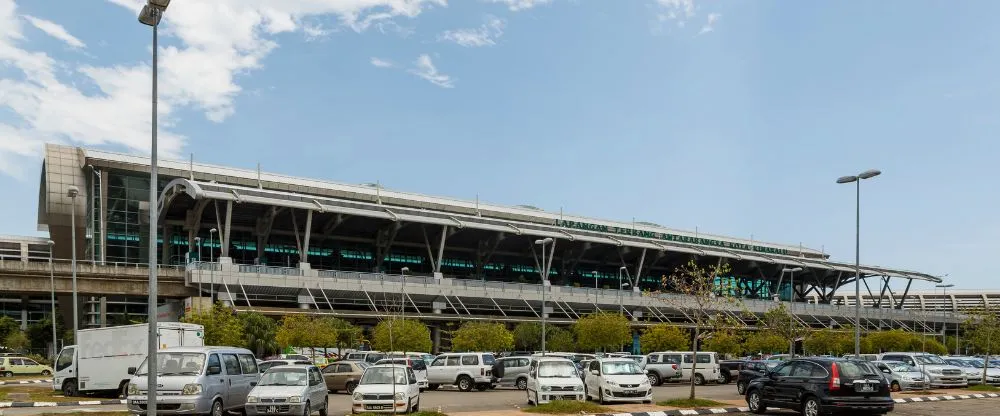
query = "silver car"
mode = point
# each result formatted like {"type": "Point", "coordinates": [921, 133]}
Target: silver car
{"type": "Point", "coordinates": [196, 380]}
{"type": "Point", "coordinates": [512, 371]}
{"type": "Point", "coordinates": [289, 390]}
{"type": "Point", "coordinates": [902, 376]}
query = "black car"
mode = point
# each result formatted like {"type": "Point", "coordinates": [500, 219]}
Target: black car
{"type": "Point", "coordinates": [818, 386]}
{"type": "Point", "coordinates": [751, 370]}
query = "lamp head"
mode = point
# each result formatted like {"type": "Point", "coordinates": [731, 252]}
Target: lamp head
{"type": "Point", "coordinates": [623, 268]}
{"type": "Point", "coordinates": [792, 270]}
{"type": "Point", "coordinates": [72, 191]}
{"type": "Point", "coordinates": [213, 230]}
{"type": "Point", "coordinates": [150, 15]}
{"type": "Point", "coordinates": [847, 179]}
{"type": "Point", "coordinates": [50, 243]}
{"type": "Point", "coordinates": [405, 270]}
{"type": "Point", "coordinates": [870, 173]}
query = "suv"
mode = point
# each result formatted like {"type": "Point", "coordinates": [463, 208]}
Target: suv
{"type": "Point", "coordinates": [940, 372]}
{"type": "Point", "coordinates": [466, 370]}
{"type": "Point", "coordinates": [817, 386]}
{"type": "Point", "coordinates": [662, 367]}
{"type": "Point", "coordinates": [512, 370]}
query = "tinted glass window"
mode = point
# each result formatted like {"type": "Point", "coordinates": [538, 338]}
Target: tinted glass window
{"type": "Point", "coordinates": [802, 370]}
{"type": "Point", "coordinates": [29, 362]}
{"type": "Point", "coordinates": [522, 362]}
{"type": "Point", "coordinates": [653, 358]}
{"type": "Point", "coordinates": [784, 370]}
{"type": "Point", "coordinates": [672, 358]}
{"type": "Point", "coordinates": [213, 361]}
{"type": "Point", "coordinates": [248, 364]}
{"type": "Point", "coordinates": [470, 360]}
{"type": "Point", "coordinates": [16, 361]}
{"type": "Point", "coordinates": [454, 360]}
{"type": "Point", "coordinates": [344, 368]}
{"type": "Point", "coordinates": [232, 364]}
{"type": "Point", "coordinates": [854, 369]}
{"type": "Point", "coordinates": [438, 362]}
{"type": "Point", "coordinates": [488, 359]}
{"type": "Point", "coordinates": [65, 359]}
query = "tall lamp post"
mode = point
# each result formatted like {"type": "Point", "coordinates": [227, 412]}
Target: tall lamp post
{"type": "Point", "coordinates": [72, 192]}
{"type": "Point", "coordinates": [150, 15]}
{"type": "Point", "coordinates": [868, 174]}
{"type": "Point", "coordinates": [545, 278]}
{"type": "Point", "coordinates": [402, 293]}
{"type": "Point", "coordinates": [791, 305]}
{"type": "Point", "coordinates": [52, 281]}
{"type": "Point", "coordinates": [211, 267]}
{"type": "Point", "coordinates": [197, 243]}
{"type": "Point", "coordinates": [944, 325]}
{"type": "Point", "coordinates": [621, 286]}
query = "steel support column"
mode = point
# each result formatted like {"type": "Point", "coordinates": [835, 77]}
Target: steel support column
{"type": "Point", "coordinates": [440, 256]}
{"type": "Point", "coordinates": [308, 232]}
{"type": "Point", "coordinates": [229, 223]}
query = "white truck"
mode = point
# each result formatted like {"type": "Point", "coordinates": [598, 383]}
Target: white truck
{"type": "Point", "coordinates": [102, 356]}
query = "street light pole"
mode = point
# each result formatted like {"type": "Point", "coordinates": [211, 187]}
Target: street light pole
{"type": "Point", "coordinates": [868, 174]}
{"type": "Point", "coordinates": [545, 278]}
{"type": "Point", "coordinates": [197, 242]}
{"type": "Point", "coordinates": [72, 192]}
{"type": "Point", "coordinates": [52, 281]}
{"type": "Point", "coordinates": [211, 267]}
{"type": "Point", "coordinates": [150, 15]}
{"type": "Point", "coordinates": [944, 325]}
{"type": "Point", "coordinates": [791, 305]}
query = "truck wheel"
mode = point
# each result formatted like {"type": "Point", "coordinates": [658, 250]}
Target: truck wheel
{"type": "Point", "coordinates": [654, 379]}
{"type": "Point", "coordinates": [69, 388]}
{"type": "Point", "coordinates": [123, 390]}
{"type": "Point", "coordinates": [464, 383]}
{"type": "Point", "coordinates": [522, 383]}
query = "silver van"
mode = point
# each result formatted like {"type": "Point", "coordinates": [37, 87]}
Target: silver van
{"type": "Point", "coordinates": [196, 380]}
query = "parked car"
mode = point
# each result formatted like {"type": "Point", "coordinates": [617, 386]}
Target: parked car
{"type": "Point", "coordinates": [294, 357]}
{"type": "Point", "coordinates": [707, 369]}
{"type": "Point", "coordinates": [263, 366]}
{"type": "Point", "coordinates": [198, 380]}
{"type": "Point", "coordinates": [940, 372]}
{"type": "Point", "coordinates": [296, 389]}
{"type": "Point", "coordinates": [662, 367]}
{"type": "Point", "coordinates": [553, 378]}
{"type": "Point", "coordinates": [751, 370]}
{"type": "Point", "coordinates": [370, 357]}
{"type": "Point", "coordinates": [512, 371]}
{"type": "Point", "coordinates": [18, 366]}
{"type": "Point", "coordinates": [902, 376]}
{"type": "Point", "coordinates": [817, 386]}
{"type": "Point", "coordinates": [344, 375]}
{"type": "Point", "coordinates": [973, 368]}
{"type": "Point", "coordinates": [466, 370]}
{"type": "Point", "coordinates": [386, 388]}
{"type": "Point", "coordinates": [866, 357]}
{"type": "Point", "coordinates": [639, 359]}
{"type": "Point", "coordinates": [417, 365]}
{"type": "Point", "coordinates": [617, 380]}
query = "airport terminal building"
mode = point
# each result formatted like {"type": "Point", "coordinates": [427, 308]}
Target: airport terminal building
{"type": "Point", "coordinates": [281, 244]}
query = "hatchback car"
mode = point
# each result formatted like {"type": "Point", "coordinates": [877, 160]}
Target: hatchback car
{"type": "Point", "coordinates": [617, 380]}
{"type": "Point", "coordinates": [417, 365]}
{"type": "Point", "coordinates": [16, 366]}
{"type": "Point", "coordinates": [553, 379]}
{"type": "Point", "coordinates": [386, 388]}
{"type": "Point", "coordinates": [344, 375]}
{"type": "Point", "coordinates": [818, 386]}
{"type": "Point", "coordinates": [902, 376]}
{"type": "Point", "coordinates": [288, 390]}
{"type": "Point", "coordinates": [263, 366]}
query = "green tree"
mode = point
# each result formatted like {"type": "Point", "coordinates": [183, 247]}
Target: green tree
{"type": "Point", "coordinates": [17, 341]}
{"type": "Point", "coordinates": [40, 333]}
{"type": "Point", "coordinates": [559, 339]}
{"type": "Point", "coordinates": [828, 341]}
{"type": "Point", "coordinates": [664, 337]}
{"type": "Point", "coordinates": [222, 327]}
{"type": "Point", "coordinates": [893, 340]}
{"type": "Point", "coordinates": [528, 336]}
{"type": "Point", "coordinates": [482, 336]}
{"type": "Point", "coordinates": [259, 333]}
{"type": "Point", "coordinates": [705, 292]}
{"type": "Point", "coordinates": [8, 326]}
{"type": "Point", "coordinates": [602, 331]}
{"type": "Point", "coordinates": [339, 333]}
{"type": "Point", "coordinates": [779, 321]}
{"type": "Point", "coordinates": [296, 331]}
{"type": "Point", "coordinates": [395, 334]}
{"type": "Point", "coordinates": [724, 342]}
{"type": "Point", "coordinates": [983, 333]}
{"type": "Point", "coordinates": [764, 342]}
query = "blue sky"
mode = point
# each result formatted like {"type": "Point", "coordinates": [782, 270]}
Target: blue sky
{"type": "Point", "coordinates": [735, 117]}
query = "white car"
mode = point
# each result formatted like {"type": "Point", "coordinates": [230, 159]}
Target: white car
{"type": "Point", "coordinates": [553, 379]}
{"type": "Point", "coordinates": [467, 370]}
{"type": "Point", "coordinates": [617, 380]}
{"type": "Point", "coordinates": [289, 390]}
{"type": "Point", "coordinates": [386, 388]}
{"type": "Point", "coordinates": [417, 365]}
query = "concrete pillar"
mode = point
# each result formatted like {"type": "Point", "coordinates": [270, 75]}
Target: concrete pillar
{"type": "Point", "coordinates": [24, 252]}
{"type": "Point", "coordinates": [165, 250]}
{"type": "Point", "coordinates": [104, 311]}
{"type": "Point", "coordinates": [226, 300]}
{"type": "Point", "coordinates": [24, 313]}
{"type": "Point", "coordinates": [435, 339]}
{"type": "Point", "coordinates": [305, 300]}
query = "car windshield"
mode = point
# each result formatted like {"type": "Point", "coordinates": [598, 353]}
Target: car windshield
{"type": "Point", "coordinates": [975, 363]}
{"type": "Point", "coordinates": [620, 367]}
{"type": "Point", "coordinates": [559, 369]}
{"type": "Point", "coordinates": [176, 364]}
{"type": "Point", "coordinates": [771, 364]}
{"type": "Point", "coordinates": [929, 359]}
{"type": "Point", "coordinates": [283, 376]}
{"type": "Point", "coordinates": [384, 375]}
{"type": "Point", "coordinates": [903, 368]}
{"type": "Point", "coordinates": [855, 369]}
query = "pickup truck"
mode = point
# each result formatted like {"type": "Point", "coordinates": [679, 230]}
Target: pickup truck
{"type": "Point", "coordinates": [730, 370]}
{"type": "Point", "coordinates": [662, 367]}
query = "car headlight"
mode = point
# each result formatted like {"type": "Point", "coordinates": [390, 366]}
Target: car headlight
{"type": "Point", "coordinates": [251, 399]}
{"type": "Point", "coordinates": [358, 397]}
{"type": "Point", "coordinates": [644, 382]}
{"type": "Point", "coordinates": [546, 388]}
{"type": "Point", "coordinates": [578, 388]}
{"type": "Point", "coordinates": [191, 389]}
{"type": "Point", "coordinates": [295, 399]}
{"type": "Point", "coordinates": [132, 389]}
{"type": "Point", "coordinates": [400, 396]}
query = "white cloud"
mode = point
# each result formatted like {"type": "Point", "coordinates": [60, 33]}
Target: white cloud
{"type": "Point", "coordinates": [425, 69]}
{"type": "Point", "coordinates": [210, 44]}
{"type": "Point", "coordinates": [55, 30]}
{"type": "Point", "coordinates": [381, 63]}
{"type": "Point", "coordinates": [710, 23]}
{"type": "Point", "coordinates": [677, 9]}
{"type": "Point", "coordinates": [485, 35]}
{"type": "Point", "coordinates": [518, 5]}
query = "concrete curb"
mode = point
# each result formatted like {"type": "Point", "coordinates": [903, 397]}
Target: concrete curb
{"type": "Point", "coordinates": [62, 404]}
{"type": "Point", "coordinates": [724, 410]}
{"type": "Point", "coordinates": [7, 383]}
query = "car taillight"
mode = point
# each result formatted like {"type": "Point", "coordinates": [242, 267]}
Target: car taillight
{"type": "Point", "coordinates": [674, 366]}
{"type": "Point", "coordinates": [482, 371]}
{"type": "Point", "coordinates": [834, 377]}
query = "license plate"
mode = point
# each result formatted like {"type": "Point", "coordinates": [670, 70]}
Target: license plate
{"type": "Point", "coordinates": [272, 409]}
{"type": "Point", "coordinates": [139, 402]}
{"type": "Point", "coordinates": [377, 406]}
{"type": "Point", "coordinates": [865, 388]}
{"type": "Point", "coordinates": [630, 391]}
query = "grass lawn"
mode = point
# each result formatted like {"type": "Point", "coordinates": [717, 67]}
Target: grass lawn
{"type": "Point", "coordinates": [40, 393]}
{"type": "Point", "coordinates": [691, 403]}
{"type": "Point", "coordinates": [26, 377]}
{"type": "Point", "coordinates": [562, 407]}
{"type": "Point", "coordinates": [983, 387]}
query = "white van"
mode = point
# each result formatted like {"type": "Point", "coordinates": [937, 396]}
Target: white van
{"type": "Point", "coordinates": [553, 379]}
{"type": "Point", "coordinates": [707, 368]}
{"type": "Point", "coordinates": [466, 370]}
{"type": "Point", "coordinates": [198, 380]}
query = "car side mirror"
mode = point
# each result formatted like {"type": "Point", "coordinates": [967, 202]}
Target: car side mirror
{"type": "Point", "coordinates": [887, 371]}
{"type": "Point", "coordinates": [213, 370]}
{"type": "Point", "coordinates": [131, 371]}
{"type": "Point", "coordinates": [595, 372]}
